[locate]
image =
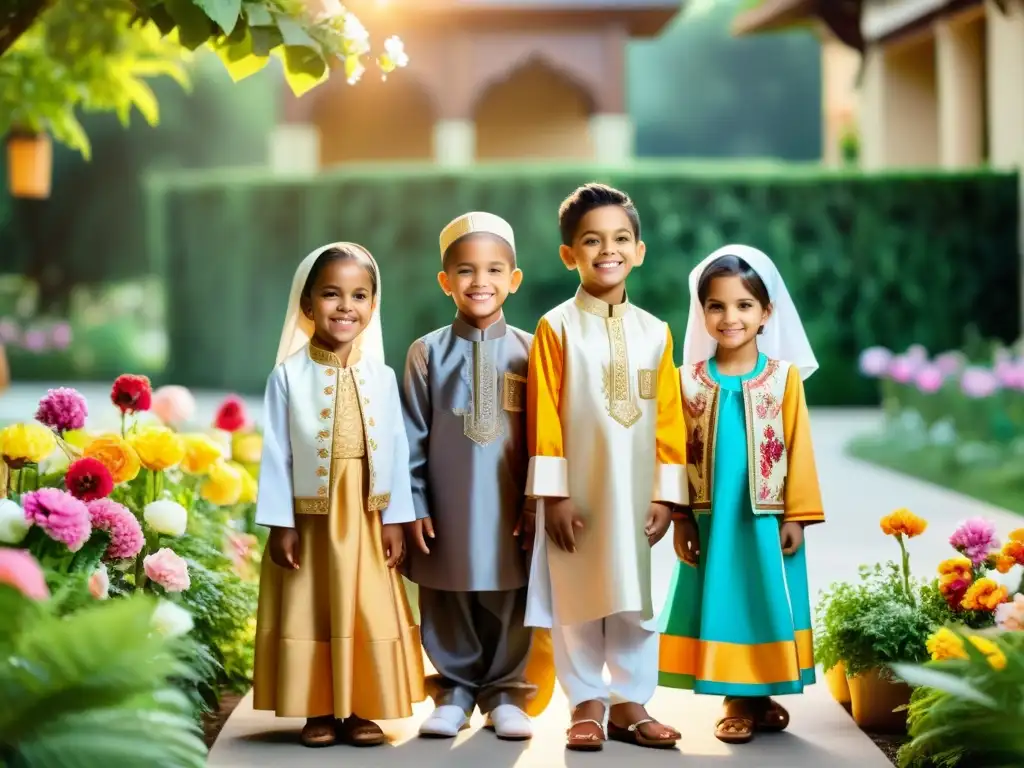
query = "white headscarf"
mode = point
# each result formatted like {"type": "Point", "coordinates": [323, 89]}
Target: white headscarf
{"type": "Point", "coordinates": [298, 329]}
{"type": "Point", "coordinates": [783, 338]}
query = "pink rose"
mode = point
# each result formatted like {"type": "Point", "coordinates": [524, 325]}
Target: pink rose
{"type": "Point", "coordinates": [951, 362]}
{"type": "Point", "coordinates": [173, 405]}
{"type": "Point", "coordinates": [20, 570]}
{"type": "Point", "coordinates": [167, 569]}
{"type": "Point", "coordinates": [902, 369]}
{"type": "Point", "coordinates": [929, 379]}
{"type": "Point", "coordinates": [979, 383]}
{"type": "Point", "coordinates": [874, 361]}
{"type": "Point", "coordinates": [99, 583]}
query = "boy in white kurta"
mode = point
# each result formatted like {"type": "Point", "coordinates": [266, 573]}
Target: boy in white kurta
{"type": "Point", "coordinates": [607, 445]}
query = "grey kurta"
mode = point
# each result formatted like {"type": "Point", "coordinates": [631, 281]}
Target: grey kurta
{"type": "Point", "coordinates": [464, 399]}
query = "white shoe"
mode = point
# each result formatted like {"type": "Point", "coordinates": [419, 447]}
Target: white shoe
{"type": "Point", "coordinates": [445, 721]}
{"type": "Point", "coordinates": [510, 722]}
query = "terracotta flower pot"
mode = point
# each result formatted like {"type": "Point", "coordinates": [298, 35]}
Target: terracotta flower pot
{"type": "Point", "coordinates": [29, 164]}
{"type": "Point", "coordinates": [873, 699]}
{"type": "Point", "coordinates": [838, 685]}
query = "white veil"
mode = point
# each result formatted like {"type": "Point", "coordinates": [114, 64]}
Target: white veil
{"type": "Point", "coordinates": [784, 337]}
{"type": "Point", "coordinates": [298, 329]}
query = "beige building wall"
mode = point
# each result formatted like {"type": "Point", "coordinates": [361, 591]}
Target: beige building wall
{"type": "Point", "coordinates": [1005, 64]}
{"type": "Point", "coordinates": [840, 103]}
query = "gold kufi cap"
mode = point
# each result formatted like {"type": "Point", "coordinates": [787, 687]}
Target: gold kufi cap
{"type": "Point", "coordinates": [477, 221]}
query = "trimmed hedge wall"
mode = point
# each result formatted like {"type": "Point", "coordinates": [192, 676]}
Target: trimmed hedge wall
{"type": "Point", "coordinates": [892, 259]}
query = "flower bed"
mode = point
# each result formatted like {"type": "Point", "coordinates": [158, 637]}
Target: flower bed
{"type": "Point", "coordinates": [156, 514]}
{"type": "Point", "coordinates": [877, 638]}
{"type": "Point", "coordinates": [951, 420]}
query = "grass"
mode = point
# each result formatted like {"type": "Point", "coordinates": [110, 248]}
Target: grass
{"type": "Point", "coordinates": [1000, 484]}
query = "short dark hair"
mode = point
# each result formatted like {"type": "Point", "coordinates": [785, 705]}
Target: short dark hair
{"type": "Point", "coordinates": [342, 253]}
{"type": "Point", "coordinates": [728, 265]}
{"type": "Point", "coordinates": [585, 199]}
{"type": "Point", "coordinates": [449, 252]}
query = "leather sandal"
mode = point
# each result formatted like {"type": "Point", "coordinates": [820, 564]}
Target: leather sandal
{"type": "Point", "coordinates": [318, 732]}
{"type": "Point", "coordinates": [632, 734]}
{"type": "Point", "coordinates": [582, 740]}
{"type": "Point", "coordinates": [734, 729]}
{"type": "Point", "coordinates": [772, 717]}
{"type": "Point", "coordinates": [357, 732]}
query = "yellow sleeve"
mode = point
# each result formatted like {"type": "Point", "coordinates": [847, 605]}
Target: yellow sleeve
{"type": "Point", "coordinates": [803, 495]}
{"type": "Point", "coordinates": [548, 473]}
{"type": "Point", "coordinates": [670, 485]}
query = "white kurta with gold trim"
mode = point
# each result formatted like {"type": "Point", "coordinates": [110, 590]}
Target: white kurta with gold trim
{"type": "Point", "coordinates": [605, 428]}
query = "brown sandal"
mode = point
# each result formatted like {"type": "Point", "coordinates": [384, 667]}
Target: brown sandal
{"type": "Point", "coordinates": [581, 740]}
{"type": "Point", "coordinates": [632, 734]}
{"type": "Point", "coordinates": [357, 732]}
{"type": "Point", "coordinates": [772, 717]}
{"type": "Point", "coordinates": [318, 732]}
{"type": "Point", "coordinates": [734, 729]}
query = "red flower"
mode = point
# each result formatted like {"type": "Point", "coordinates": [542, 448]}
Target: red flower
{"type": "Point", "coordinates": [131, 393]}
{"type": "Point", "coordinates": [231, 416]}
{"type": "Point", "coordinates": [88, 479]}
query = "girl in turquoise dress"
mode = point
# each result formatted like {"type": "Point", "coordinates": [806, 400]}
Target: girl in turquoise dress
{"type": "Point", "coordinates": [737, 622]}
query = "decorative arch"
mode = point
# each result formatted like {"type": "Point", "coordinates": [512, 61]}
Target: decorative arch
{"type": "Point", "coordinates": [571, 72]}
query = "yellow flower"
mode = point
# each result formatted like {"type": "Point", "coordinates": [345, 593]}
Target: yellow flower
{"type": "Point", "coordinates": [904, 522]}
{"type": "Point", "coordinates": [996, 658]}
{"type": "Point", "coordinates": [984, 595]}
{"type": "Point", "coordinates": [1003, 562]}
{"type": "Point", "coordinates": [249, 486]}
{"type": "Point", "coordinates": [247, 447]}
{"type": "Point", "coordinates": [200, 452]}
{"type": "Point", "coordinates": [116, 455]}
{"type": "Point", "coordinates": [945, 644]}
{"type": "Point", "coordinates": [78, 438]}
{"type": "Point", "coordinates": [23, 444]}
{"type": "Point", "coordinates": [957, 568]}
{"type": "Point", "coordinates": [158, 447]}
{"type": "Point", "coordinates": [223, 484]}
{"type": "Point", "coordinates": [1017, 535]}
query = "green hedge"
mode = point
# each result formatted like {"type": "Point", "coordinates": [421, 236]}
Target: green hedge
{"type": "Point", "coordinates": [892, 259]}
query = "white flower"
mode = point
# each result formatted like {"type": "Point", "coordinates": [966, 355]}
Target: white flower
{"type": "Point", "coordinates": [395, 50]}
{"type": "Point", "coordinates": [13, 525]}
{"type": "Point", "coordinates": [57, 461]}
{"type": "Point", "coordinates": [166, 516]}
{"type": "Point", "coordinates": [355, 34]}
{"type": "Point", "coordinates": [329, 9]}
{"type": "Point", "coordinates": [171, 620]}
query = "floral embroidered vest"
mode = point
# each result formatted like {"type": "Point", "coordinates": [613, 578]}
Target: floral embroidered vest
{"type": "Point", "coordinates": [766, 460]}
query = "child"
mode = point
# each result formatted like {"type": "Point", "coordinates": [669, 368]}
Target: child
{"type": "Point", "coordinates": [607, 445]}
{"type": "Point", "coordinates": [464, 398]}
{"type": "Point", "coordinates": [335, 638]}
{"type": "Point", "coordinates": [737, 623]}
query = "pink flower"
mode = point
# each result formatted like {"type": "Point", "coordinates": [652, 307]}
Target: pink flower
{"type": "Point", "coordinates": [60, 334]}
{"type": "Point", "coordinates": [979, 383]}
{"type": "Point", "coordinates": [1010, 615]}
{"type": "Point", "coordinates": [99, 583]}
{"type": "Point", "coordinates": [126, 538]}
{"type": "Point", "coordinates": [167, 569]}
{"type": "Point", "coordinates": [8, 331]}
{"type": "Point", "coordinates": [917, 353]}
{"type": "Point", "coordinates": [874, 361]}
{"type": "Point", "coordinates": [20, 570]}
{"type": "Point", "coordinates": [62, 409]}
{"type": "Point", "coordinates": [929, 379]}
{"type": "Point", "coordinates": [902, 369]}
{"type": "Point", "coordinates": [950, 362]}
{"type": "Point", "coordinates": [63, 517]}
{"type": "Point", "coordinates": [975, 539]}
{"type": "Point", "coordinates": [173, 405]}
{"type": "Point", "coordinates": [35, 340]}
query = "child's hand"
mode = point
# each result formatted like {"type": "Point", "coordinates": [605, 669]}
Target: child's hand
{"type": "Point", "coordinates": [393, 540]}
{"type": "Point", "coordinates": [284, 548]}
{"type": "Point", "coordinates": [792, 535]}
{"type": "Point", "coordinates": [417, 529]}
{"type": "Point", "coordinates": [658, 519]}
{"type": "Point", "coordinates": [686, 540]}
{"type": "Point", "coordinates": [525, 528]}
{"type": "Point", "coordinates": [561, 521]}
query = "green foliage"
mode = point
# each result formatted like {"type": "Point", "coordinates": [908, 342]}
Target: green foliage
{"type": "Point", "coordinates": [879, 251]}
{"type": "Point", "coordinates": [870, 624]}
{"type": "Point", "coordinates": [966, 712]}
{"type": "Point", "coordinates": [90, 689]}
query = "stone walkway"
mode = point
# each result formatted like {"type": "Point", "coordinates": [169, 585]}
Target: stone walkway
{"type": "Point", "coordinates": [855, 494]}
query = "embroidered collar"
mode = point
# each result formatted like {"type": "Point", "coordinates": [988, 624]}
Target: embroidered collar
{"type": "Point", "coordinates": [465, 330]}
{"type": "Point", "coordinates": [323, 356]}
{"type": "Point", "coordinates": [595, 306]}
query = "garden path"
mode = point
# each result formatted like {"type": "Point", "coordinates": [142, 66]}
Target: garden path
{"type": "Point", "coordinates": [856, 495]}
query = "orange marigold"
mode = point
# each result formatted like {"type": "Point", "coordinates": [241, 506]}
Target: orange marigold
{"type": "Point", "coordinates": [984, 595]}
{"type": "Point", "coordinates": [957, 567]}
{"type": "Point", "coordinates": [1014, 550]}
{"type": "Point", "coordinates": [903, 522]}
{"type": "Point", "coordinates": [1003, 562]}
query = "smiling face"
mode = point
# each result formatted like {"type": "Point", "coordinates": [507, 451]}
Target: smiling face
{"type": "Point", "coordinates": [479, 274]}
{"type": "Point", "coordinates": [604, 251]}
{"type": "Point", "coordinates": [340, 303]}
{"type": "Point", "coordinates": [733, 315]}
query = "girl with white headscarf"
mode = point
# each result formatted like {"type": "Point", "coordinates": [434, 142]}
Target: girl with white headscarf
{"type": "Point", "coordinates": [336, 642]}
{"type": "Point", "coordinates": [738, 622]}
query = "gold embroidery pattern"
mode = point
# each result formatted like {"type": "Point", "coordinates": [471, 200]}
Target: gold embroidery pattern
{"type": "Point", "coordinates": [323, 470]}
{"type": "Point", "coordinates": [700, 398]}
{"type": "Point", "coordinates": [307, 506]}
{"type": "Point", "coordinates": [647, 380]}
{"type": "Point", "coordinates": [363, 402]}
{"type": "Point", "coordinates": [378, 502]}
{"type": "Point", "coordinates": [481, 423]}
{"type": "Point", "coordinates": [621, 405]}
{"type": "Point", "coordinates": [514, 392]}
{"type": "Point", "coordinates": [349, 442]}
